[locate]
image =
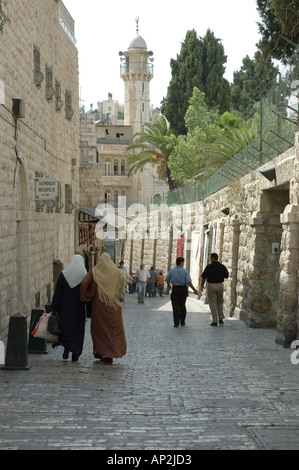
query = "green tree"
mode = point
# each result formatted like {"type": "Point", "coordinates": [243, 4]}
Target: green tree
{"type": "Point", "coordinates": [154, 143]}
{"type": "Point", "coordinates": [211, 140]}
{"type": "Point", "coordinates": [200, 64]}
{"type": "Point", "coordinates": [186, 73]}
{"type": "Point", "coordinates": [185, 159]}
{"type": "Point", "coordinates": [251, 83]}
{"type": "Point", "coordinates": [280, 20]}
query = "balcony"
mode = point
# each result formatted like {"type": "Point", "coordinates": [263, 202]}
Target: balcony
{"type": "Point", "coordinates": [137, 67]}
{"type": "Point", "coordinates": [67, 23]}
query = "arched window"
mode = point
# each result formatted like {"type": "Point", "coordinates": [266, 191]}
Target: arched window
{"type": "Point", "coordinates": [108, 196]}
{"type": "Point", "coordinates": [115, 167]}
{"type": "Point", "coordinates": [123, 167]}
{"type": "Point", "coordinates": [107, 170]}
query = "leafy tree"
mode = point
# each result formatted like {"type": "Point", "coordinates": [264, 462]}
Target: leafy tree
{"type": "Point", "coordinates": [251, 83]}
{"type": "Point", "coordinates": [185, 159]}
{"type": "Point", "coordinates": [153, 143]}
{"type": "Point", "coordinates": [200, 64]}
{"type": "Point", "coordinates": [211, 140]}
{"type": "Point", "coordinates": [186, 73]}
{"type": "Point", "coordinates": [279, 18]}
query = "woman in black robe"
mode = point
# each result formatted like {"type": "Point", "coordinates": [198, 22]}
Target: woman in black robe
{"type": "Point", "coordinates": [66, 302]}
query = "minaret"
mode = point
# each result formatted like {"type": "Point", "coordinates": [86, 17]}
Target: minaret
{"type": "Point", "coordinates": [136, 70]}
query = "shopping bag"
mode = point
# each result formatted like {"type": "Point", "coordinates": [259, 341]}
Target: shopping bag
{"type": "Point", "coordinates": [41, 329]}
{"type": "Point", "coordinates": [53, 324]}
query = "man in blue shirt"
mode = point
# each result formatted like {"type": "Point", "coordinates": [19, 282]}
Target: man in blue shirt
{"type": "Point", "coordinates": [180, 279]}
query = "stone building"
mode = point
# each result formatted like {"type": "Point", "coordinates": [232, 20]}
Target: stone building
{"type": "Point", "coordinates": [39, 140]}
{"type": "Point", "coordinates": [253, 224]}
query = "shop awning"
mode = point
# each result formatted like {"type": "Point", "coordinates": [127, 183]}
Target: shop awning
{"type": "Point", "coordinates": [88, 216]}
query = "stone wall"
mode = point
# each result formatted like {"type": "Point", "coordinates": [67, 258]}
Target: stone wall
{"type": "Point", "coordinates": [258, 241]}
{"type": "Point", "coordinates": [47, 144]}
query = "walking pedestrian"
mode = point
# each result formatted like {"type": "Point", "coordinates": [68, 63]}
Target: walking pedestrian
{"type": "Point", "coordinates": [142, 277]}
{"type": "Point", "coordinates": [122, 291]}
{"type": "Point", "coordinates": [66, 302]}
{"type": "Point", "coordinates": [178, 279]}
{"type": "Point", "coordinates": [214, 274]}
{"type": "Point", "coordinates": [160, 283]}
{"type": "Point", "coordinates": [153, 277]}
{"type": "Point", "coordinates": [102, 285]}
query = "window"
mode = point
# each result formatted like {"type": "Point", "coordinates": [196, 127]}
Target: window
{"type": "Point", "coordinates": [50, 92]}
{"type": "Point", "coordinates": [107, 170]}
{"type": "Point", "coordinates": [115, 198]}
{"type": "Point", "coordinates": [58, 100]}
{"type": "Point", "coordinates": [68, 105]}
{"type": "Point", "coordinates": [115, 167]}
{"type": "Point", "coordinates": [108, 196]}
{"type": "Point", "coordinates": [38, 76]}
{"type": "Point", "coordinates": [58, 203]}
{"type": "Point", "coordinates": [123, 167]}
{"type": "Point", "coordinates": [69, 206]}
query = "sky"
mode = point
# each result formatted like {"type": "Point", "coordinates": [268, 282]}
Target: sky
{"type": "Point", "coordinates": [102, 29]}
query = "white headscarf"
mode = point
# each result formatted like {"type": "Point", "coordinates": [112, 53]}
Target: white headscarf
{"type": "Point", "coordinates": [75, 272]}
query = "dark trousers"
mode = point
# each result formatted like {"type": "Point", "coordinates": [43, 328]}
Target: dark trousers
{"type": "Point", "coordinates": [178, 298]}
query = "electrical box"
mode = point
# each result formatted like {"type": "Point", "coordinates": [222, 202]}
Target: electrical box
{"type": "Point", "coordinates": [18, 108]}
{"type": "Point", "coordinates": [275, 248]}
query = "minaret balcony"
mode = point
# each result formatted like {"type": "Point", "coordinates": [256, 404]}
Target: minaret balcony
{"type": "Point", "coordinates": [137, 68]}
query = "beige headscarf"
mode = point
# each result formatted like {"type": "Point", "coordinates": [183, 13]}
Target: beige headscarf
{"type": "Point", "coordinates": [109, 279]}
{"type": "Point", "coordinates": [75, 272]}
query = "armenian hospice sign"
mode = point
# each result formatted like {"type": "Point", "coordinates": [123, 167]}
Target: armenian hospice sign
{"type": "Point", "coordinates": [46, 189]}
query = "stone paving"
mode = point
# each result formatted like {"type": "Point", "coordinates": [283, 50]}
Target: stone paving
{"type": "Point", "coordinates": [188, 388]}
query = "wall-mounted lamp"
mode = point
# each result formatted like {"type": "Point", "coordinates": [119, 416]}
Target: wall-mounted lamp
{"type": "Point", "coordinates": [206, 226]}
{"type": "Point", "coordinates": [270, 174]}
{"type": "Point", "coordinates": [225, 210]}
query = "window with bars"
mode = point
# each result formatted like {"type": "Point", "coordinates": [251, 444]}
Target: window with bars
{"type": "Point", "coordinates": [50, 92]}
{"type": "Point", "coordinates": [38, 76]}
{"type": "Point", "coordinates": [68, 105]}
{"type": "Point", "coordinates": [69, 206]}
{"type": "Point", "coordinates": [58, 100]}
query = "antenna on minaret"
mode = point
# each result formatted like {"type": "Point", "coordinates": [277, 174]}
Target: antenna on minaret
{"type": "Point", "coordinates": [137, 21]}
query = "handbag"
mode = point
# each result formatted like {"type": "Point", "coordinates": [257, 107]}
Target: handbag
{"type": "Point", "coordinates": [41, 329]}
{"type": "Point", "coordinates": [53, 324]}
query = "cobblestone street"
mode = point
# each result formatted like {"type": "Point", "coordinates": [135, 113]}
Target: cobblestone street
{"type": "Point", "coordinates": [188, 388]}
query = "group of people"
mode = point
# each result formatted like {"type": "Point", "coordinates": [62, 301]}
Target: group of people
{"type": "Point", "coordinates": [102, 287]}
{"type": "Point", "coordinates": [148, 282]}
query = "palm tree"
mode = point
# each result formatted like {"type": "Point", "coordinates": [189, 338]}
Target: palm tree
{"type": "Point", "coordinates": [155, 147]}
{"type": "Point", "coordinates": [234, 136]}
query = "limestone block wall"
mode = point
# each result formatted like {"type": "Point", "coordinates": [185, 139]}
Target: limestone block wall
{"type": "Point", "coordinates": [46, 142]}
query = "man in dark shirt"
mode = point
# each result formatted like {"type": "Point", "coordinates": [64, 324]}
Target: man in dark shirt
{"type": "Point", "coordinates": [214, 274]}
